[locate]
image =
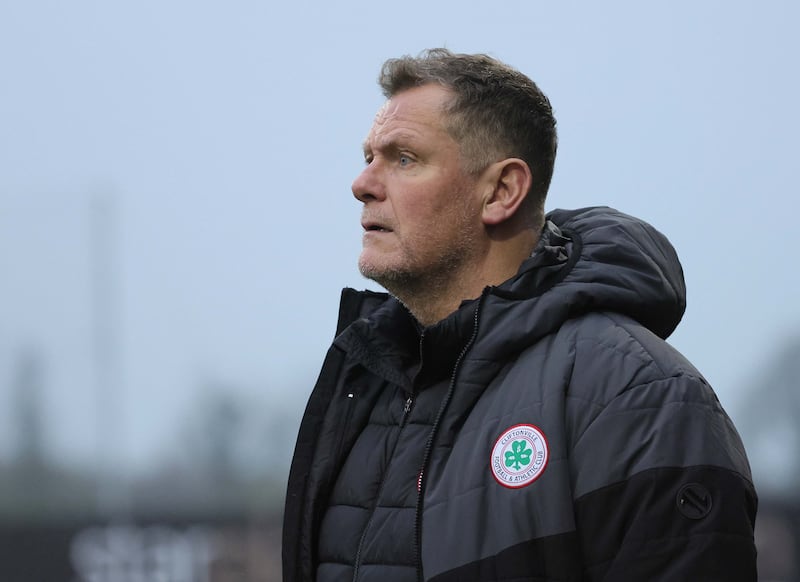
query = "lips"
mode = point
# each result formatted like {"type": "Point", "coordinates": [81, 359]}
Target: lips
{"type": "Point", "coordinates": [374, 226]}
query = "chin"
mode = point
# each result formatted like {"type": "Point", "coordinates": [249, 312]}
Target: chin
{"type": "Point", "coordinates": [372, 265]}
{"type": "Point", "coordinates": [383, 274]}
{"type": "Point", "coordinates": [372, 271]}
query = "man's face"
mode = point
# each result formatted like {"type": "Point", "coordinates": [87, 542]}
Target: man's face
{"type": "Point", "coordinates": [421, 214]}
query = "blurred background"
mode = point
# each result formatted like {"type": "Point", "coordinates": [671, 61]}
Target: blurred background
{"type": "Point", "coordinates": [176, 224]}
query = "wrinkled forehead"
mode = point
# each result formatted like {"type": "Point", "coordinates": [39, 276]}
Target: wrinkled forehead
{"type": "Point", "coordinates": [388, 111]}
{"type": "Point", "coordinates": [420, 106]}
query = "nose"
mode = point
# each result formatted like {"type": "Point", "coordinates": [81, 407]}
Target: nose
{"type": "Point", "coordinates": [368, 185]}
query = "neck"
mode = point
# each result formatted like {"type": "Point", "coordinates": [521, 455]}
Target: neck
{"type": "Point", "coordinates": [433, 303]}
{"type": "Point", "coordinates": [431, 299]}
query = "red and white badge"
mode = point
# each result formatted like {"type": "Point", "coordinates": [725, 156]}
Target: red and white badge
{"type": "Point", "coordinates": [519, 456]}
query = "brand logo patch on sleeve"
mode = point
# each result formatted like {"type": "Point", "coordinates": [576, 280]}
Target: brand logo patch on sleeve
{"type": "Point", "coordinates": [519, 456]}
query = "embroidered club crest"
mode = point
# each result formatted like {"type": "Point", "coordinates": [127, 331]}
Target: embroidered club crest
{"type": "Point", "coordinates": [519, 456]}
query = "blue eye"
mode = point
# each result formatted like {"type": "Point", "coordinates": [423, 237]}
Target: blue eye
{"type": "Point", "coordinates": [404, 160]}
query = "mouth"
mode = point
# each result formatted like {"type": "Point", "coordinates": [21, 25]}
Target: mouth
{"type": "Point", "coordinates": [374, 227]}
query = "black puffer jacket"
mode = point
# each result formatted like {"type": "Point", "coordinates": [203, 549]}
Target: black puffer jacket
{"type": "Point", "coordinates": [544, 431]}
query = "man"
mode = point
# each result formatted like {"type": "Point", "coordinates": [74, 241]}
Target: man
{"type": "Point", "coordinates": [510, 410]}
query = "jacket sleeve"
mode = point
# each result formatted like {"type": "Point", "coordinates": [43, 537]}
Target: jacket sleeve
{"type": "Point", "coordinates": [662, 488]}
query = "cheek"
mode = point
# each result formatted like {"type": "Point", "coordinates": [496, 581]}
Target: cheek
{"type": "Point", "coordinates": [429, 220]}
{"type": "Point", "coordinates": [435, 228]}
{"type": "Point", "coordinates": [431, 208]}
{"type": "Point", "coordinates": [416, 207]}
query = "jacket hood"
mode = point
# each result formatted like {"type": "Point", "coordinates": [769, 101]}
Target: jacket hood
{"type": "Point", "coordinates": [630, 266]}
{"type": "Point", "coordinates": [588, 260]}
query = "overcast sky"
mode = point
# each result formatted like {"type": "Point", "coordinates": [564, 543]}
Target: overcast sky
{"type": "Point", "coordinates": [216, 143]}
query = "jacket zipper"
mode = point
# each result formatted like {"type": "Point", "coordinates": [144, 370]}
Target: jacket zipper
{"type": "Point", "coordinates": [429, 445]}
{"type": "Point", "coordinates": [351, 397]}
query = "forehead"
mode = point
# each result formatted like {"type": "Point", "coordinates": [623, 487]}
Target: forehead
{"type": "Point", "coordinates": [416, 112]}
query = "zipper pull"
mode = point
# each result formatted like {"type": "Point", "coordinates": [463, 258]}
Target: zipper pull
{"type": "Point", "coordinates": [407, 407]}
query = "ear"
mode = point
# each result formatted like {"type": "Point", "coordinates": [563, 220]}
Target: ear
{"type": "Point", "coordinates": [507, 185]}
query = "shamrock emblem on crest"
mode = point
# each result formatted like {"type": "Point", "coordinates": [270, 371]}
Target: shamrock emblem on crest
{"type": "Point", "coordinates": [518, 456]}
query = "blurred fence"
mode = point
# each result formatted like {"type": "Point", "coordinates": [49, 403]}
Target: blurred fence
{"type": "Point", "coordinates": [212, 549]}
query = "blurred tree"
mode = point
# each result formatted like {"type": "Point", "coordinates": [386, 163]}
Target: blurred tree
{"type": "Point", "coordinates": [229, 455]}
{"type": "Point", "coordinates": [28, 384]}
{"type": "Point", "coordinates": [34, 487]}
{"type": "Point", "coordinates": [770, 427]}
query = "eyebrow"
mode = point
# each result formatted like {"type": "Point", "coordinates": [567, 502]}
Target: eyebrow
{"type": "Point", "coordinates": [393, 142]}
{"type": "Point", "coordinates": [365, 147]}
